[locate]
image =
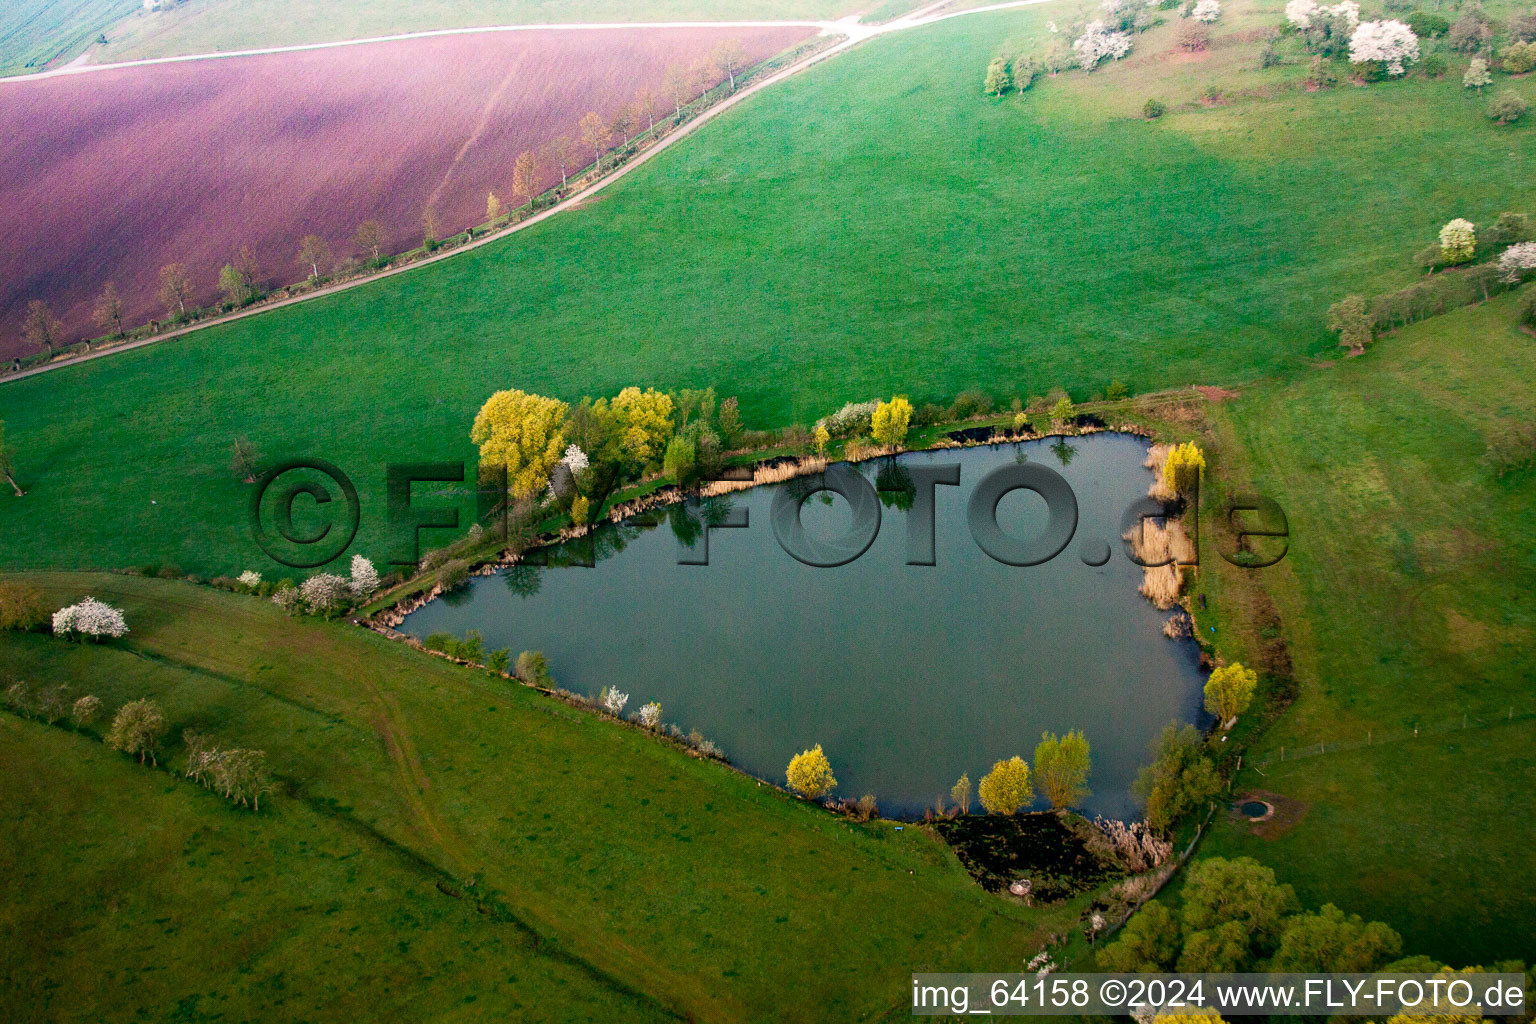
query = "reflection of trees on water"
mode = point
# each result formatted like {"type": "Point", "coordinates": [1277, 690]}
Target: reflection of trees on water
{"type": "Point", "coordinates": [523, 579]}
{"type": "Point", "coordinates": [1064, 452]}
{"type": "Point", "coordinates": [895, 486]}
{"type": "Point", "coordinates": [688, 519]}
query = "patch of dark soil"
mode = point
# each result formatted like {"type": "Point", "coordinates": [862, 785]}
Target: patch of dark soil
{"type": "Point", "coordinates": [1288, 813]}
{"type": "Point", "coordinates": [1000, 849]}
{"type": "Point", "coordinates": [974, 434]}
{"type": "Point", "coordinates": [1089, 419]}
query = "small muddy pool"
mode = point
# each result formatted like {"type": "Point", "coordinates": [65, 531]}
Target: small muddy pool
{"type": "Point", "coordinates": [907, 675]}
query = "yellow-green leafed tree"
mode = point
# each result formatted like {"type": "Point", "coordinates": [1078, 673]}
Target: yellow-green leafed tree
{"type": "Point", "coordinates": [645, 423]}
{"type": "Point", "coordinates": [523, 432]}
{"type": "Point", "coordinates": [810, 773]}
{"type": "Point", "coordinates": [1006, 788]}
{"type": "Point", "coordinates": [1458, 241]}
{"type": "Point", "coordinates": [1061, 768]}
{"type": "Point", "coordinates": [960, 793]}
{"type": "Point", "coordinates": [890, 422]}
{"type": "Point", "coordinates": [1229, 691]}
{"type": "Point", "coordinates": [1181, 472]}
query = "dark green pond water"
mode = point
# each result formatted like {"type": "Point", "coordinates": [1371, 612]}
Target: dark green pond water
{"type": "Point", "coordinates": [906, 675]}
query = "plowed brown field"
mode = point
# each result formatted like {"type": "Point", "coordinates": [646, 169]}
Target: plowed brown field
{"type": "Point", "coordinates": [110, 175]}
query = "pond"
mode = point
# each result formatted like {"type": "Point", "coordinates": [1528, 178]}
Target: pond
{"type": "Point", "coordinates": [907, 675]}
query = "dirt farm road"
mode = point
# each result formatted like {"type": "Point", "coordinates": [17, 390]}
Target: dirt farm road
{"type": "Point", "coordinates": [850, 29]}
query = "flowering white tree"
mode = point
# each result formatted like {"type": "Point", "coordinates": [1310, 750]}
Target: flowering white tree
{"type": "Point", "coordinates": [1206, 10]}
{"type": "Point", "coordinates": [574, 461]}
{"type": "Point", "coordinates": [650, 715]}
{"type": "Point", "coordinates": [1390, 42]}
{"type": "Point", "coordinates": [1346, 11]}
{"type": "Point", "coordinates": [1097, 43]}
{"type": "Point", "coordinates": [365, 578]}
{"type": "Point", "coordinates": [325, 592]}
{"type": "Point", "coordinates": [1516, 260]}
{"type": "Point", "coordinates": [288, 599]}
{"type": "Point", "coordinates": [1301, 12]}
{"type": "Point", "coordinates": [613, 700]}
{"type": "Point", "coordinates": [250, 579]}
{"type": "Point", "coordinates": [90, 618]}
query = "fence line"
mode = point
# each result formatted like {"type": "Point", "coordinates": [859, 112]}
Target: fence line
{"type": "Point", "coordinates": [1378, 738]}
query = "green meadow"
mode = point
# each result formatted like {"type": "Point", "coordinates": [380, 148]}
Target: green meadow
{"type": "Point", "coordinates": [872, 226]}
{"type": "Point", "coordinates": [592, 870]}
{"type": "Point", "coordinates": [1407, 598]}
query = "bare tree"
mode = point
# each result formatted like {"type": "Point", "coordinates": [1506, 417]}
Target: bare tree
{"type": "Point", "coordinates": [645, 104]}
{"type": "Point", "coordinates": [728, 58]}
{"type": "Point", "coordinates": [108, 313]}
{"type": "Point", "coordinates": [595, 135]}
{"type": "Point", "coordinates": [312, 252]}
{"type": "Point", "coordinates": [561, 150]}
{"type": "Point", "coordinates": [175, 288]}
{"type": "Point", "coordinates": [525, 176]}
{"type": "Point", "coordinates": [623, 125]}
{"type": "Point", "coordinates": [370, 238]}
{"type": "Point", "coordinates": [41, 329]}
{"type": "Point", "coordinates": [7, 462]}
{"type": "Point", "coordinates": [679, 83]}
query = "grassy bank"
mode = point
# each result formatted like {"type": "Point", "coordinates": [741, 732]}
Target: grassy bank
{"type": "Point", "coordinates": [1407, 598]}
{"type": "Point", "coordinates": [626, 862]}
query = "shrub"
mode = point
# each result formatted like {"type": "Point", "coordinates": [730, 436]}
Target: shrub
{"type": "Point", "coordinates": [970, 404]}
{"type": "Point", "coordinates": [22, 607]}
{"type": "Point", "coordinates": [499, 661]}
{"type": "Point", "coordinates": [1434, 66]}
{"type": "Point", "coordinates": [287, 597]}
{"type": "Point", "coordinates": [1007, 787]}
{"type": "Point", "coordinates": [1426, 25]}
{"type": "Point", "coordinates": [1516, 261]}
{"type": "Point", "coordinates": [1520, 58]}
{"type": "Point", "coordinates": [250, 579]}
{"type": "Point", "coordinates": [453, 574]}
{"type": "Point", "coordinates": [1528, 311]}
{"type": "Point", "coordinates": [1348, 319]}
{"type": "Point", "coordinates": [325, 593]}
{"type": "Point", "coordinates": [1194, 37]}
{"type": "Point", "coordinates": [533, 668]}
{"type": "Point", "coordinates": [1388, 43]}
{"type": "Point", "coordinates": [649, 715]}
{"type": "Point", "coordinates": [1153, 109]}
{"type": "Point", "coordinates": [1205, 11]}
{"type": "Point", "coordinates": [1429, 258]}
{"type": "Point", "coordinates": [852, 418]}
{"type": "Point", "coordinates": [613, 700]}
{"type": "Point", "coordinates": [137, 728]}
{"type": "Point", "coordinates": [1477, 75]}
{"type": "Point", "coordinates": [90, 618]}
{"type": "Point", "coordinates": [1513, 227]}
{"type": "Point", "coordinates": [1507, 107]}
{"type": "Point", "coordinates": [1098, 43]}
{"type": "Point", "coordinates": [810, 773]}
{"type": "Point", "coordinates": [1322, 75]}
{"type": "Point", "coordinates": [84, 711]}
{"type": "Point", "coordinates": [998, 80]}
